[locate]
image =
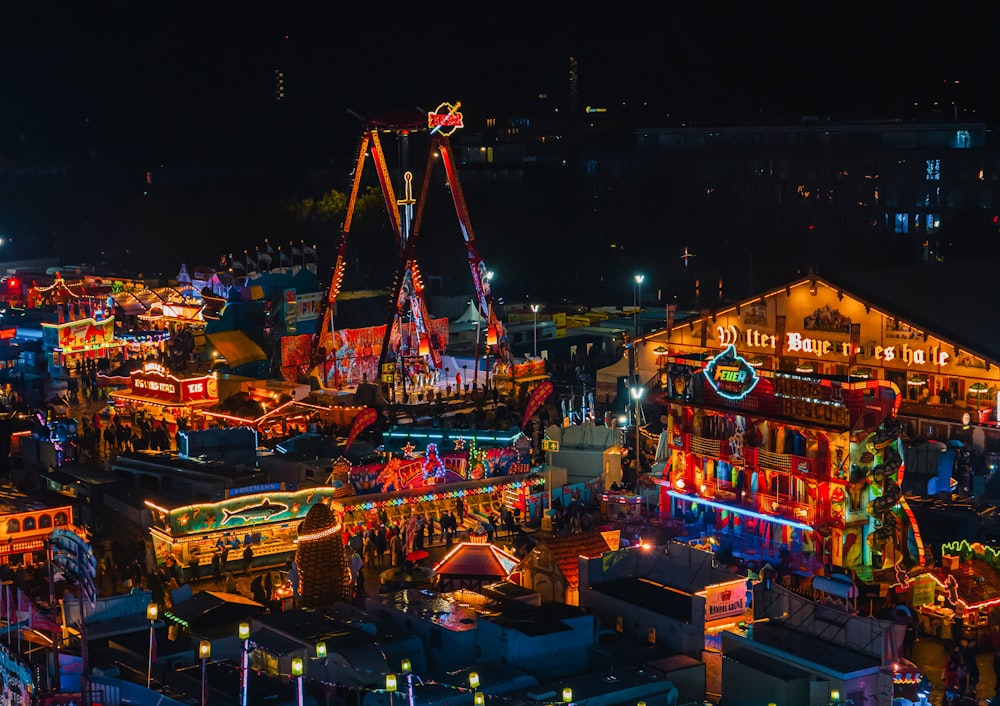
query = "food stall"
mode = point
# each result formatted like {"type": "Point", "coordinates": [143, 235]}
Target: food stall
{"type": "Point", "coordinates": [163, 395]}
{"type": "Point", "coordinates": [622, 505]}
{"type": "Point", "coordinates": [966, 587]}
{"type": "Point", "coordinates": [265, 517]}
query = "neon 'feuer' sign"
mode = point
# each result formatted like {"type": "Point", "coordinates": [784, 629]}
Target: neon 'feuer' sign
{"type": "Point", "coordinates": [730, 375]}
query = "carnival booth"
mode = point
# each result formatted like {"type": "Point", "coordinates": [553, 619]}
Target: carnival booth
{"type": "Point", "coordinates": [265, 517]}
{"type": "Point", "coordinates": [71, 342]}
{"type": "Point", "coordinates": [964, 590]}
{"type": "Point", "coordinates": [161, 394]}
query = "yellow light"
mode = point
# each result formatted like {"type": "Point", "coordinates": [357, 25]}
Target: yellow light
{"type": "Point", "coordinates": [640, 703]}
{"type": "Point", "coordinates": [567, 694]}
{"type": "Point", "coordinates": [152, 611]}
{"type": "Point", "coordinates": [321, 649]}
{"type": "Point", "coordinates": [405, 667]}
{"type": "Point", "coordinates": [835, 695]}
{"type": "Point", "coordinates": [474, 680]}
{"type": "Point", "coordinates": [244, 631]}
{"type": "Point", "coordinates": [390, 682]}
{"type": "Point", "coordinates": [479, 699]}
{"type": "Point", "coordinates": [204, 649]}
{"type": "Point", "coordinates": [297, 666]}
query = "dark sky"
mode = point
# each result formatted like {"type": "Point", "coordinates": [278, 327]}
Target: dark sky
{"type": "Point", "coordinates": [144, 77]}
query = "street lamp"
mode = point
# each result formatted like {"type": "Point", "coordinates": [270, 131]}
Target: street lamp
{"type": "Point", "coordinates": [637, 393]}
{"type": "Point", "coordinates": [390, 685]}
{"type": "Point", "coordinates": [297, 669]}
{"type": "Point", "coordinates": [534, 311]}
{"type": "Point", "coordinates": [244, 633]}
{"type": "Point", "coordinates": [204, 652]}
{"type": "Point", "coordinates": [152, 611]}
{"type": "Point", "coordinates": [636, 303]}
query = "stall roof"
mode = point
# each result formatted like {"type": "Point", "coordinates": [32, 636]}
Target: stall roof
{"type": "Point", "coordinates": [236, 347]}
{"type": "Point", "coordinates": [836, 585]}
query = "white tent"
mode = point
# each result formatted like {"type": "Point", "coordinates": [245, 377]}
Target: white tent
{"type": "Point", "coordinates": [471, 315]}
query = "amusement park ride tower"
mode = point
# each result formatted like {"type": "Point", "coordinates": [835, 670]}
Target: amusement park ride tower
{"type": "Point", "coordinates": [406, 212]}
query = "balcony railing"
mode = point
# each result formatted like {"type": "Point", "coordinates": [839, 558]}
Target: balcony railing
{"type": "Point", "coordinates": [785, 507]}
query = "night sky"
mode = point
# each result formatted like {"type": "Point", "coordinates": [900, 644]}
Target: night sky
{"type": "Point", "coordinates": [155, 76]}
{"type": "Point", "coordinates": [190, 86]}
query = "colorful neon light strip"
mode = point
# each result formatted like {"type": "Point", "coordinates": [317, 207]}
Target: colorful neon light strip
{"type": "Point", "coordinates": [740, 510]}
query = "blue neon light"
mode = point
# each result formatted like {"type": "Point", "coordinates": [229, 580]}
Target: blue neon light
{"type": "Point", "coordinates": [739, 510]}
{"type": "Point", "coordinates": [743, 368]}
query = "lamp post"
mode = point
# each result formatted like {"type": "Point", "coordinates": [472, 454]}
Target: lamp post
{"type": "Point", "coordinates": [244, 633]}
{"type": "Point", "coordinates": [534, 311]}
{"type": "Point", "coordinates": [152, 611]}
{"type": "Point", "coordinates": [297, 670]}
{"type": "Point", "coordinates": [204, 652]}
{"type": "Point", "coordinates": [407, 669]}
{"type": "Point", "coordinates": [636, 303]}
{"type": "Point", "coordinates": [637, 393]}
{"type": "Point", "coordinates": [390, 685]}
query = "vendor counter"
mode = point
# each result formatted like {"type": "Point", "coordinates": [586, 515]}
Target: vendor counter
{"type": "Point", "coordinates": [939, 621]}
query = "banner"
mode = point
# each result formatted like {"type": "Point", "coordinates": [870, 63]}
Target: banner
{"type": "Point", "coordinates": [365, 419]}
{"type": "Point", "coordinates": [538, 396]}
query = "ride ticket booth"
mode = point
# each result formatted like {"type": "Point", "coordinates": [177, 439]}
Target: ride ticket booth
{"type": "Point", "coordinates": [621, 506]}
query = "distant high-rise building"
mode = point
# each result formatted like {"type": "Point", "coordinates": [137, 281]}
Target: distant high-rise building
{"type": "Point", "coordinates": [279, 85]}
{"type": "Point", "coordinates": [574, 86]}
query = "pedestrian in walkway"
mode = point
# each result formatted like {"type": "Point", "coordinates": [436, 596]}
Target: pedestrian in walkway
{"type": "Point", "coordinates": [971, 665]}
{"type": "Point", "coordinates": [996, 671]}
{"type": "Point", "coordinates": [247, 558]}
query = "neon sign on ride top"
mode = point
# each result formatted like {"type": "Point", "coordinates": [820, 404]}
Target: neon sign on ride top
{"type": "Point", "coordinates": [730, 375]}
{"type": "Point", "coordinates": [445, 119]}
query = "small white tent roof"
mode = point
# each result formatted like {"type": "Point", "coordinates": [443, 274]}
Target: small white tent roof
{"type": "Point", "coordinates": [471, 315]}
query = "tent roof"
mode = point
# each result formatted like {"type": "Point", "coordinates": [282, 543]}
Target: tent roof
{"type": "Point", "coordinates": [469, 559]}
{"type": "Point", "coordinates": [471, 315]}
{"type": "Point", "coordinates": [236, 347]}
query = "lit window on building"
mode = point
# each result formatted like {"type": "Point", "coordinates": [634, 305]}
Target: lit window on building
{"type": "Point", "coordinates": [963, 138]}
{"type": "Point", "coordinates": [933, 169]}
{"type": "Point", "coordinates": [902, 223]}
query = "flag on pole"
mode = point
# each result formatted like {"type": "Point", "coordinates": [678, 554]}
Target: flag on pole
{"type": "Point", "coordinates": [535, 400]}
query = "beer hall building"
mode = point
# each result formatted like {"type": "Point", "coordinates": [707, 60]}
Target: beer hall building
{"type": "Point", "coordinates": [787, 418]}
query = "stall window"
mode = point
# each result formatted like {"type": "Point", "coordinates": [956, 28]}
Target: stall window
{"type": "Point", "coordinates": [44, 521]}
{"type": "Point", "coordinates": [60, 519]}
{"type": "Point", "coordinates": [29, 523]}
{"type": "Point", "coordinates": [13, 526]}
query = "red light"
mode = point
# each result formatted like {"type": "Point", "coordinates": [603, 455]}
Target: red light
{"type": "Point", "coordinates": [12, 283]}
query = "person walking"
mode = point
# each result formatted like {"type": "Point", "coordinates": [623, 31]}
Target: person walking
{"type": "Point", "coordinates": [996, 671]}
{"type": "Point", "coordinates": [247, 558]}
{"type": "Point", "coordinates": [971, 667]}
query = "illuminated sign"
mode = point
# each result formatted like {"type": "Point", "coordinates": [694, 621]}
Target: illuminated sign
{"type": "Point", "coordinates": [7, 333]}
{"type": "Point", "coordinates": [445, 119]}
{"type": "Point", "coordinates": [154, 385]}
{"type": "Point", "coordinates": [730, 375]}
{"type": "Point", "coordinates": [796, 342]}
{"type": "Point", "coordinates": [724, 601]}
